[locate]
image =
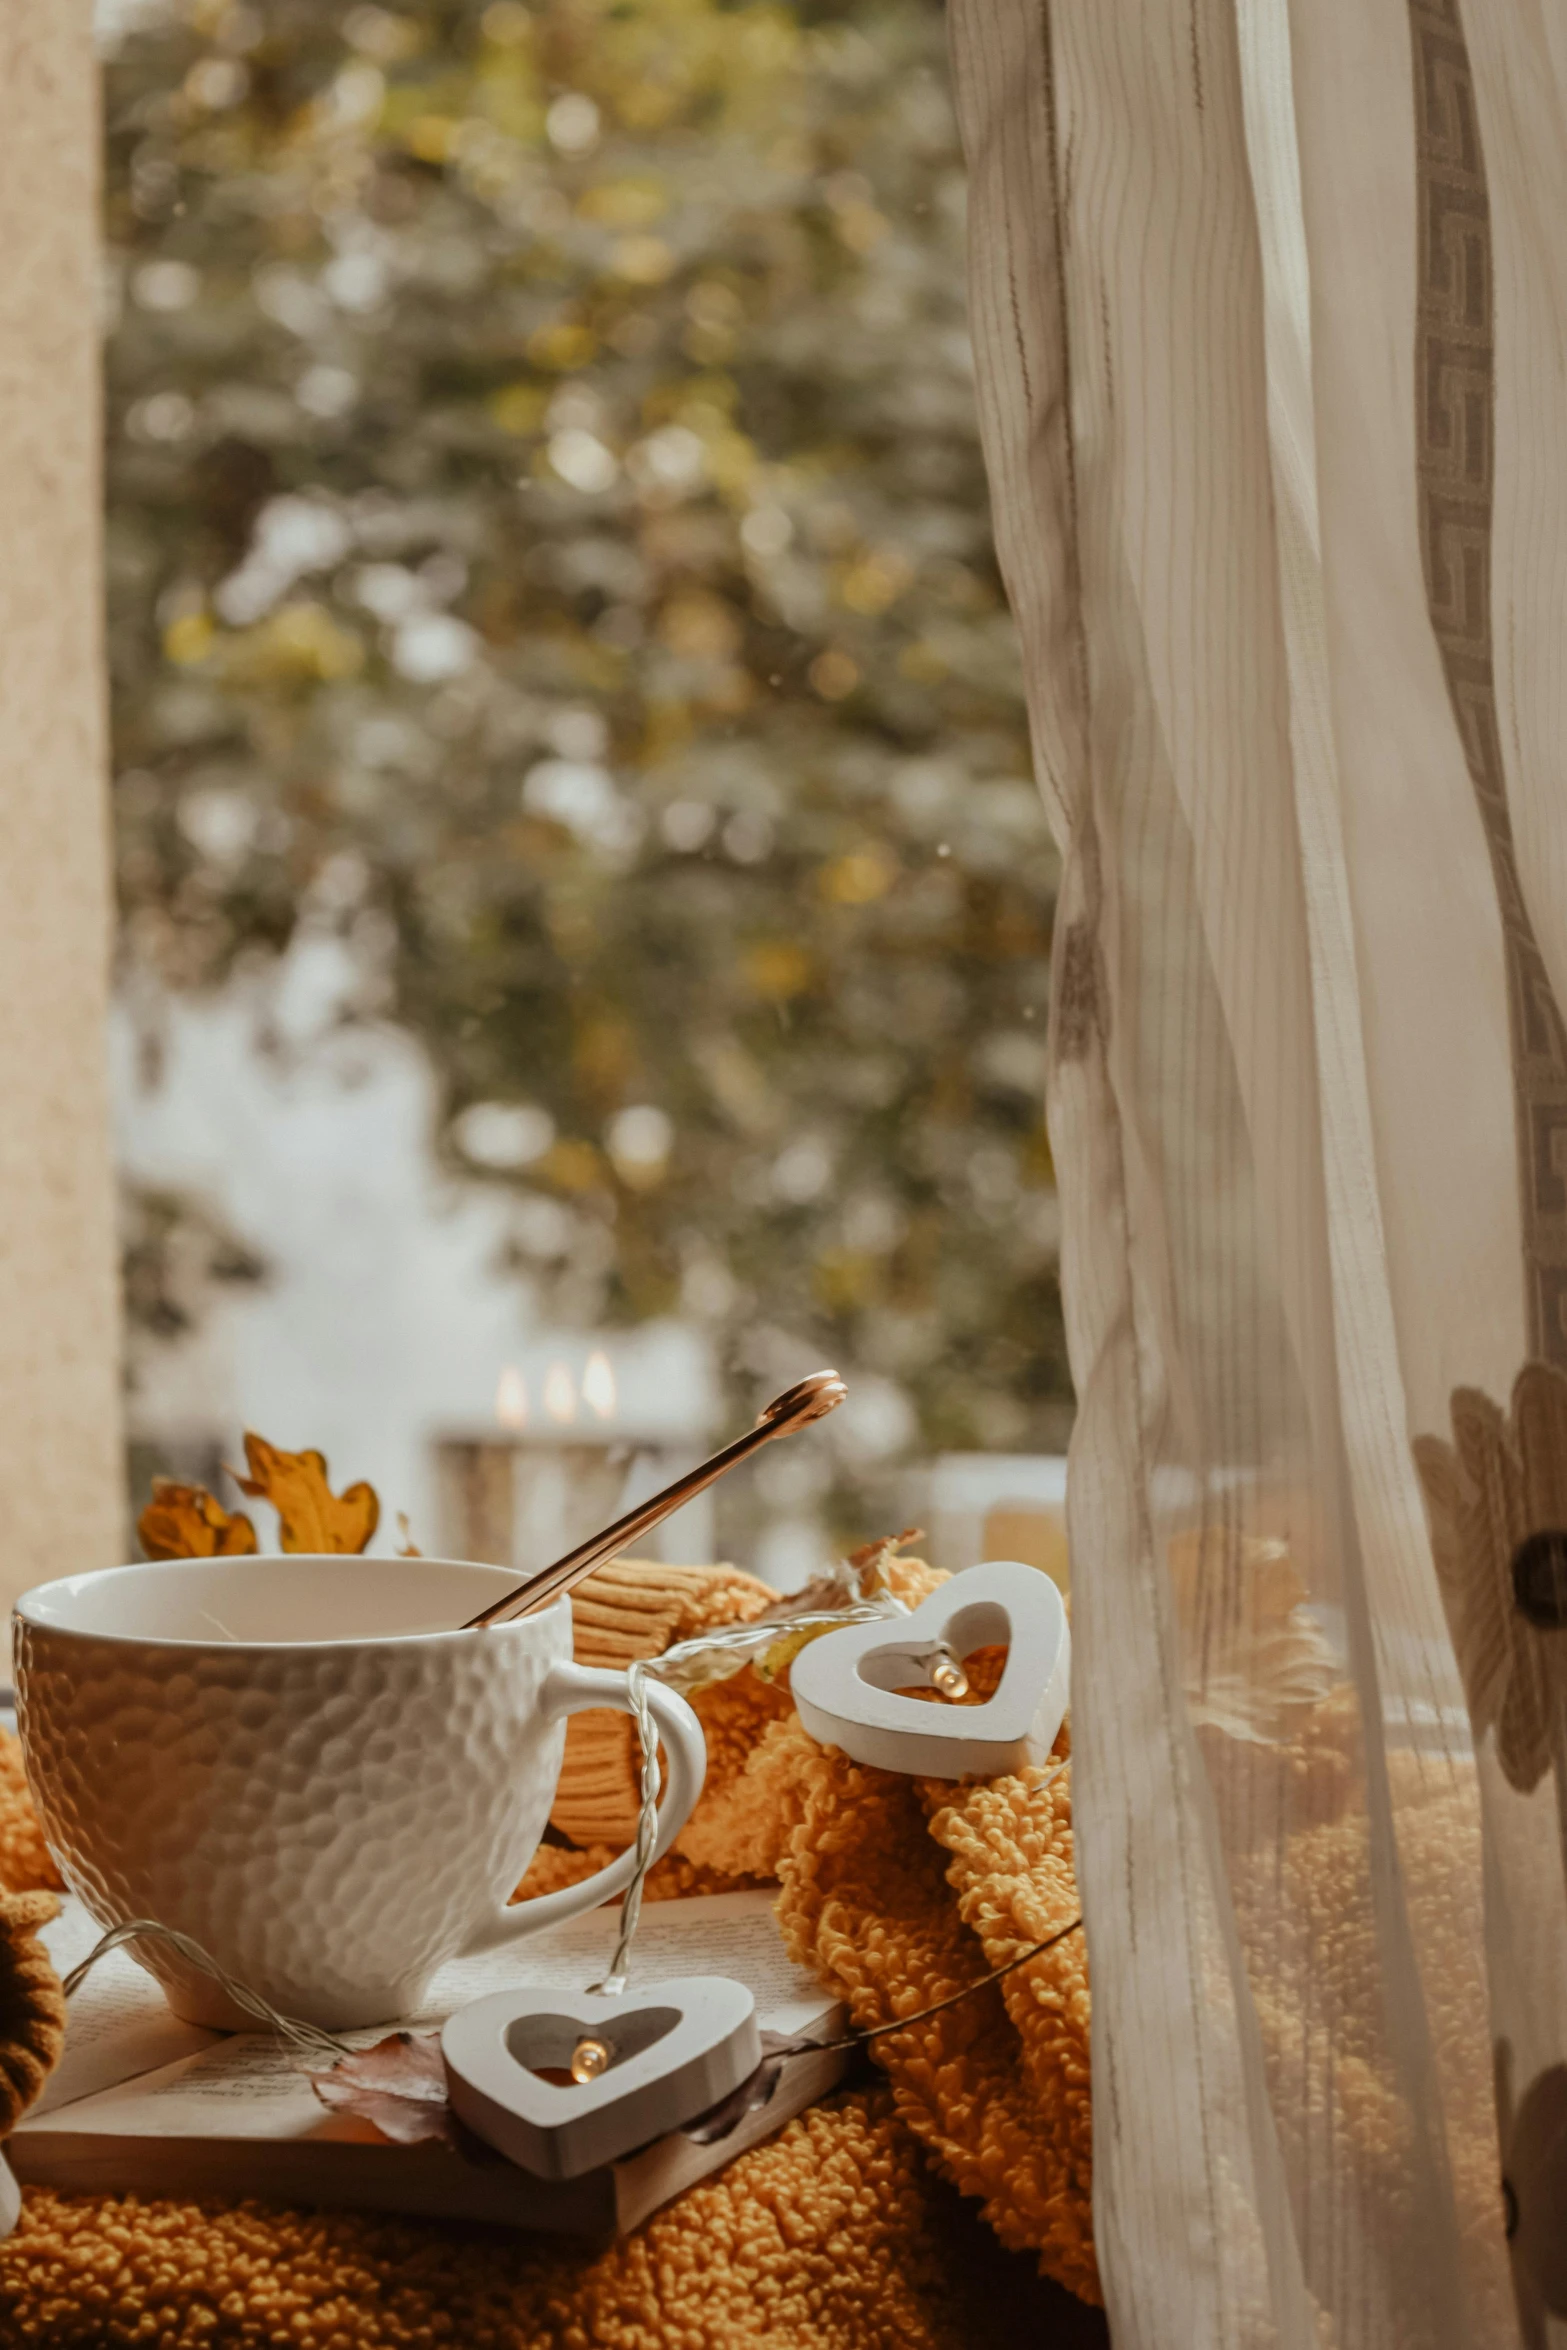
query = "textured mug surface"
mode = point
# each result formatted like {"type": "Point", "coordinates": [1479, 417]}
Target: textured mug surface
{"type": "Point", "coordinates": [298, 1763]}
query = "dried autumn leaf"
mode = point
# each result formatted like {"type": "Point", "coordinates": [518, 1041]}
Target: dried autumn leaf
{"type": "Point", "coordinates": [187, 1522]}
{"type": "Point", "coordinates": [775, 1661]}
{"type": "Point", "coordinates": [399, 2085]}
{"type": "Point", "coordinates": [862, 1576]}
{"type": "Point", "coordinates": [876, 1554]}
{"type": "Point", "coordinates": [706, 2129]}
{"type": "Point", "coordinates": [311, 1517]}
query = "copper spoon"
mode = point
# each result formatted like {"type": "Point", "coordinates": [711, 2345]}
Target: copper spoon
{"type": "Point", "coordinates": [812, 1399]}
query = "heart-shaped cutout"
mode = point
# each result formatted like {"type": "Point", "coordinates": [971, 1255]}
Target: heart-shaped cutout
{"type": "Point", "coordinates": [674, 2048]}
{"type": "Point", "coordinates": [847, 1685]}
{"type": "Point", "coordinates": [545, 2044]}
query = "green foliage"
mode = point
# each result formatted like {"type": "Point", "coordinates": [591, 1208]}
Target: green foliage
{"type": "Point", "coordinates": [549, 550]}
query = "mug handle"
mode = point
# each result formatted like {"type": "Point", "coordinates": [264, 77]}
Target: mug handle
{"type": "Point", "coordinates": [578, 1689]}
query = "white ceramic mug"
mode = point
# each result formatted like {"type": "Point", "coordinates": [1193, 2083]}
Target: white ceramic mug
{"type": "Point", "coordinates": [300, 1764]}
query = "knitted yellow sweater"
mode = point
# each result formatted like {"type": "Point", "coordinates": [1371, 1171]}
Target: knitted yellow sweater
{"type": "Point", "coordinates": [838, 2234]}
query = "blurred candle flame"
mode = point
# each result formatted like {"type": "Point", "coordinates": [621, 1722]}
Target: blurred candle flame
{"type": "Point", "coordinates": [598, 1386]}
{"type": "Point", "coordinates": [560, 1394]}
{"type": "Point", "coordinates": [511, 1398]}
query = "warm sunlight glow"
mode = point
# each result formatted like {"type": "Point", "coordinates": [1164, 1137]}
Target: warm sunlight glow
{"type": "Point", "coordinates": [511, 1398]}
{"type": "Point", "coordinates": [560, 1394]}
{"type": "Point", "coordinates": [598, 1386]}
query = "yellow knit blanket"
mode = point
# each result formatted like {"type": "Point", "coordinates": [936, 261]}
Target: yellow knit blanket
{"type": "Point", "coordinates": [838, 2234]}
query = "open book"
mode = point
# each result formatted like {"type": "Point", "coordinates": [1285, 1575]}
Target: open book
{"type": "Point", "coordinates": [142, 2101]}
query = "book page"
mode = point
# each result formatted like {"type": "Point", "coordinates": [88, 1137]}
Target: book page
{"type": "Point", "coordinates": [719, 1934]}
{"type": "Point", "coordinates": [118, 2025]}
{"type": "Point", "coordinates": [250, 2086]}
{"type": "Point", "coordinates": [247, 2085]}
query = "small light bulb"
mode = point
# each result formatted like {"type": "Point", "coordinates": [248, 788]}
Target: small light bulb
{"type": "Point", "coordinates": [948, 1676]}
{"type": "Point", "coordinates": [589, 2059]}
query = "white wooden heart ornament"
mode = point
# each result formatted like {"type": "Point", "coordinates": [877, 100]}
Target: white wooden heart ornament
{"type": "Point", "coordinates": [674, 2048]}
{"type": "Point", "coordinates": [846, 1685]}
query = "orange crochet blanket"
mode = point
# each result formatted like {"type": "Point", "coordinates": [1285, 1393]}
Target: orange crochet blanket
{"type": "Point", "coordinates": [842, 2233]}
{"type": "Point", "coordinates": [896, 1892]}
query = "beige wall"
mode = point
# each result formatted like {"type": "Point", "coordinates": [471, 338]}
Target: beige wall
{"type": "Point", "coordinates": [60, 1476]}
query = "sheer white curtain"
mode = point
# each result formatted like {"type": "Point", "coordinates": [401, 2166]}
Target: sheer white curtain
{"type": "Point", "coordinates": [1270, 312]}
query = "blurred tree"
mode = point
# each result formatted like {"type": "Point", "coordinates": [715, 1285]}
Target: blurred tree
{"type": "Point", "coordinates": [549, 553]}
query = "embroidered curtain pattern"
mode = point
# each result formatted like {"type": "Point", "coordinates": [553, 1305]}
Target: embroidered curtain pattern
{"type": "Point", "coordinates": [1269, 303]}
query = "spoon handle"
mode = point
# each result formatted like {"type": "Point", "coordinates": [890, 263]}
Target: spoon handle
{"type": "Point", "coordinates": [812, 1399]}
